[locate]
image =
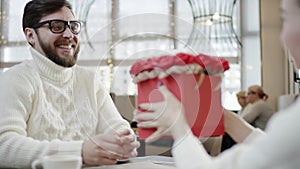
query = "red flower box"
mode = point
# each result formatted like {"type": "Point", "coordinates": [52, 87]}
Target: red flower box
{"type": "Point", "coordinates": [197, 88]}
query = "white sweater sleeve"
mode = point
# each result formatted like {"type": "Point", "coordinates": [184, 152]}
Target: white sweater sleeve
{"type": "Point", "coordinates": [277, 148]}
{"type": "Point", "coordinates": [16, 149]}
{"type": "Point", "coordinates": [110, 117]}
{"type": "Point", "coordinates": [189, 153]}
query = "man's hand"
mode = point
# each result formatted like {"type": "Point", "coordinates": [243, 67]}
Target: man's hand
{"type": "Point", "coordinates": [105, 149]}
{"type": "Point", "coordinates": [129, 143]}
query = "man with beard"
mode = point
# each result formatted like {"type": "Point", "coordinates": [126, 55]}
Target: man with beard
{"type": "Point", "coordinates": [49, 105]}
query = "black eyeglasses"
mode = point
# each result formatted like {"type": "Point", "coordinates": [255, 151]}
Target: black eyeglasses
{"type": "Point", "coordinates": [59, 26]}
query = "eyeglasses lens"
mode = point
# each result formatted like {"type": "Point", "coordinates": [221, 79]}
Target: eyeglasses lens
{"type": "Point", "coordinates": [60, 26]}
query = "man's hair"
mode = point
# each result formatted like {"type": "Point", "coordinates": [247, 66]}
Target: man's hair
{"type": "Point", "coordinates": [36, 9]}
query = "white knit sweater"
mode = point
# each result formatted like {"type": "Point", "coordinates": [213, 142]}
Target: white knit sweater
{"type": "Point", "coordinates": [277, 148]}
{"type": "Point", "coordinates": [49, 109]}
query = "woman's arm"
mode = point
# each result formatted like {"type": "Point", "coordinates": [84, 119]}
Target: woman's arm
{"type": "Point", "coordinates": [172, 119]}
{"type": "Point", "coordinates": [256, 152]}
{"type": "Point", "coordinates": [236, 127]}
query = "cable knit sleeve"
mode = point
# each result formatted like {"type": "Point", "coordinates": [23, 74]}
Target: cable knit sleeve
{"type": "Point", "coordinates": [110, 118]}
{"type": "Point", "coordinates": [17, 150]}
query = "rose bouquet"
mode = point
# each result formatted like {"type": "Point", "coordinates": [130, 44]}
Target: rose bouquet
{"type": "Point", "coordinates": [194, 79]}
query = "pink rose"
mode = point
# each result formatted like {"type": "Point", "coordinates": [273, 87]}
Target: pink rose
{"type": "Point", "coordinates": [140, 66]}
{"type": "Point", "coordinates": [186, 58]}
{"type": "Point", "coordinates": [165, 62]}
{"type": "Point", "coordinates": [212, 65]}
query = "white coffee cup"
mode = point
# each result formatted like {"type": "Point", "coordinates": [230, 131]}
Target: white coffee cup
{"type": "Point", "coordinates": [58, 162]}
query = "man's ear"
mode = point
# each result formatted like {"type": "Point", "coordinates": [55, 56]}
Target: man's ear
{"type": "Point", "coordinates": [29, 33]}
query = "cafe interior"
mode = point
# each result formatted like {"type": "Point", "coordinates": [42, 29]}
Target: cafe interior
{"type": "Point", "coordinates": [117, 33]}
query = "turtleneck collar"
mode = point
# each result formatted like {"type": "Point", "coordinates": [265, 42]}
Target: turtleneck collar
{"type": "Point", "coordinates": [51, 70]}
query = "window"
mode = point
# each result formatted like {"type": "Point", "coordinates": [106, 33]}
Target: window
{"type": "Point", "coordinates": [116, 33]}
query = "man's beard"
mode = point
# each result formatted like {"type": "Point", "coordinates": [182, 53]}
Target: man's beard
{"type": "Point", "coordinates": [67, 61]}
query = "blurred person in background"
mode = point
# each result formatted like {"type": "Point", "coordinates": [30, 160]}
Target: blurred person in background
{"type": "Point", "coordinates": [259, 112]}
{"type": "Point", "coordinates": [242, 100]}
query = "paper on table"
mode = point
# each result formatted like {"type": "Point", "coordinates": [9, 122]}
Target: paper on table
{"type": "Point", "coordinates": [147, 162]}
{"type": "Point", "coordinates": [135, 165]}
{"type": "Point", "coordinates": [164, 160]}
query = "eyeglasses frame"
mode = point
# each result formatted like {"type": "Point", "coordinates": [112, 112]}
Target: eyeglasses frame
{"type": "Point", "coordinates": [66, 23]}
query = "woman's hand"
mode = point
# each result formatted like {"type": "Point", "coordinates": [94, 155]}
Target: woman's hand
{"type": "Point", "coordinates": [167, 117]}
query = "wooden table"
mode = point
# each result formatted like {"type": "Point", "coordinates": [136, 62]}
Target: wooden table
{"type": "Point", "coordinates": [148, 162]}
